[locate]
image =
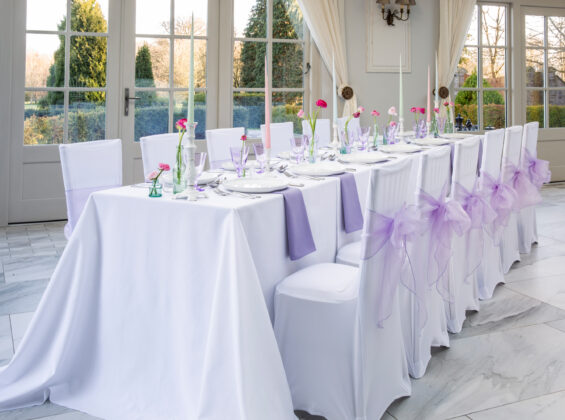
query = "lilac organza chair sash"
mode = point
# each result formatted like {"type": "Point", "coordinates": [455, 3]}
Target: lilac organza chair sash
{"type": "Point", "coordinates": [443, 218]}
{"type": "Point", "coordinates": [476, 205]}
{"type": "Point", "coordinates": [526, 193]}
{"type": "Point", "coordinates": [392, 232]}
{"type": "Point", "coordinates": [537, 169]}
{"type": "Point", "coordinates": [76, 199]}
{"type": "Point", "coordinates": [501, 198]}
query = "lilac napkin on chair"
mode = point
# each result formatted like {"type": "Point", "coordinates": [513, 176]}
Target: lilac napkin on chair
{"type": "Point", "coordinates": [298, 232]}
{"type": "Point", "coordinates": [350, 205]}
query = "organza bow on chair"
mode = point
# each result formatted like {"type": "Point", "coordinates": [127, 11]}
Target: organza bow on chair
{"type": "Point", "coordinates": [476, 205]}
{"type": "Point", "coordinates": [444, 218]}
{"type": "Point", "coordinates": [396, 231]}
{"type": "Point", "coordinates": [502, 198]}
{"type": "Point", "coordinates": [537, 169]}
{"type": "Point", "coordinates": [526, 193]}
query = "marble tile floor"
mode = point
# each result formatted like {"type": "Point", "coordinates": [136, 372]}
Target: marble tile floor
{"type": "Point", "coordinates": [507, 363]}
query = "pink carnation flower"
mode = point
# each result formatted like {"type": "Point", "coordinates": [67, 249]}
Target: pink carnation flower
{"type": "Point", "coordinates": [413, 109]}
{"type": "Point", "coordinates": [436, 110]}
{"type": "Point", "coordinates": [422, 110]}
{"type": "Point", "coordinates": [152, 175]}
{"type": "Point", "coordinates": [361, 109]}
{"type": "Point", "coordinates": [446, 103]}
{"type": "Point", "coordinates": [375, 113]}
{"type": "Point", "coordinates": [393, 123]}
{"type": "Point", "coordinates": [356, 115]}
{"type": "Point", "coordinates": [392, 111]}
{"type": "Point", "coordinates": [181, 124]}
{"type": "Point", "coordinates": [243, 138]}
{"type": "Point", "coordinates": [321, 103]}
{"type": "Point", "coordinates": [164, 167]}
{"type": "Point", "coordinates": [300, 113]}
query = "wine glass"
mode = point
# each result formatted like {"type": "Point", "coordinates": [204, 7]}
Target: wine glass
{"type": "Point", "coordinates": [297, 145]}
{"type": "Point", "coordinates": [364, 137]}
{"type": "Point", "coordinates": [199, 162]}
{"type": "Point", "coordinates": [260, 157]}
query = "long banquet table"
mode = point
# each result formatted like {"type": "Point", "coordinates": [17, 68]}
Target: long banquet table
{"type": "Point", "coordinates": [163, 308]}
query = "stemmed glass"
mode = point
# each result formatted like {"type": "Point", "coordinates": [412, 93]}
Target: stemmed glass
{"type": "Point", "coordinates": [260, 157]}
{"type": "Point", "coordinates": [199, 162]}
{"type": "Point", "coordinates": [364, 137]}
{"type": "Point", "coordinates": [297, 145]}
{"type": "Point", "coordinates": [239, 158]}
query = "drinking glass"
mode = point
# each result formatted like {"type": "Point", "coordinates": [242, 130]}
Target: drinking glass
{"type": "Point", "coordinates": [441, 124]}
{"type": "Point", "coordinates": [364, 133]}
{"type": "Point", "coordinates": [297, 145]}
{"type": "Point", "coordinates": [199, 162]}
{"type": "Point", "coordinates": [260, 157]}
{"type": "Point", "coordinates": [239, 158]}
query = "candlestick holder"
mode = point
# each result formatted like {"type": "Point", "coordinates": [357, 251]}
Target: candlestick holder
{"type": "Point", "coordinates": [335, 139]}
{"type": "Point", "coordinates": [189, 150]}
{"type": "Point", "coordinates": [268, 159]}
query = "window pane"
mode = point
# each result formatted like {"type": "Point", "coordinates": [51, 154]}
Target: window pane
{"type": "Point", "coordinates": [88, 61]}
{"type": "Point", "coordinates": [156, 59]}
{"type": "Point", "coordinates": [42, 52]}
{"type": "Point", "coordinates": [556, 32]}
{"type": "Point", "coordinates": [285, 107]}
{"type": "Point", "coordinates": [472, 37]}
{"type": "Point", "coordinates": [250, 18]}
{"type": "Point", "coordinates": [152, 17]}
{"type": "Point", "coordinates": [466, 106]}
{"type": "Point", "coordinates": [182, 63]}
{"type": "Point", "coordinates": [287, 65]}
{"type": "Point", "coordinates": [534, 67]}
{"type": "Point", "coordinates": [534, 31]}
{"type": "Point", "coordinates": [87, 116]}
{"type": "Point", "coordinates": [46, 15]}
{"type": "Point", "coordinates": [493, 24]}
{"type": "Point", "coordinates": [151, 114]}
{"type": "Point", "coordinates": [494, 109]}
{"type": "Point", "coordinates": [287, 20]}
{"type": "Point", "coordinates": [467, 69]}
{"type": "Point", "coordinates": [556, 68]}
{"type": "Point", "coordinates": [89, 16]}
{"type": "Point", "coordinates": [44, 117]}
{"type": "Point", "coordinates": [556, 108]}
{"type": "Point", "coordinates": [493, 67]}
{"type": "Point", "coordinates": [534, 106]}
{"type": "Point", "coordinates": [249, 111]}
{"type": "Point", "coordinates": [183, 13]}
{"type": "Point", "coordinates": [249, 64]}
{"type": "Point", "coordinates": [181, 110]}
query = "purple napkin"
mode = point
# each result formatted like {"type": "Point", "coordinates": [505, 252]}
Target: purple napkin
{"type": "Point", "coordinates": [351, 208]}
{"type": "Point", "coordinates": [298, 232]}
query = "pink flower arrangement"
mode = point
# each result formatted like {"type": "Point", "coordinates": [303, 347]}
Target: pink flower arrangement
{"type": "Point", "coordinates": [375, 113]}
{"type": "Point", "coordinates": [320, 103]}
{"type": "Point", "coordinates": [356, 114]}
{"type": "Point", "coordinates": [177, 172]}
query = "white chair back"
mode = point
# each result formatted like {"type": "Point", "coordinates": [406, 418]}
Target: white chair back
{"type": "Point", "coordinates": [492, 152]}
{"type": "Point", "coordinates": [434, 171]}
{"type": "Point", "coordinates": [281, 134]}
{"type": "Point", "coordinates": [160, 148]}
{"type": "Point", "coordinates": [88, 167]}
{"type": "Point", "coordinates": [530, 138]}
{"type": "Point", "coordinates": [512, 149]}
{"type": "Point", "coordinates": [219, 142]}
{"type": "Point", "coordinates": [465, 163]}
{"type": "Point", "coordinates": [353, 127]}
{"type": "Point", "coordinates": [323, 131]}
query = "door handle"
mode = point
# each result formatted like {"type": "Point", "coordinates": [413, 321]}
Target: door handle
{"type": "Point", "coordinates": [126, 102]}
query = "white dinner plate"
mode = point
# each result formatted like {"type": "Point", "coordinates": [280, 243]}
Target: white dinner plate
{"type": "Point", "coordinates": [255, 185]}
{"type": "Point", "coordinates": [228, 165]}
{"type": "Point", "coordinates": [457, 135]}
{"type": "Point", "coordinates": [287, 154]}
{"type": "Point", "coordinates": [206, 178]}
{"type": "Point", "coordinates": [318, 169]}
{"type": "Point", "coordinates": [364, 157]}
{"type": "Point", "coordinates": [400, 148]}
{"type": "Point", "coordinates": [431, 141]}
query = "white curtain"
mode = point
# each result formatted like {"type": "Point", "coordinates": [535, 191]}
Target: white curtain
{"type": "Point", "coordinates": [454, 19]}
{"type": "Point", "coordinates": [326, 21]}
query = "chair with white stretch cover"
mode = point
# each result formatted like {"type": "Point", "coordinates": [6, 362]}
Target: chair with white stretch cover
{"type": "Point", "coordinates": [527, 229]}
{"type": "Point", "coordinates": [489, 273]}
{"type": "Point", "coordinates": [467, 249]}
{"type": "Point", "coordinates": [159, 148]}
{"type": "Point", "coordinates": [218, 143]}
{"type": "Point", "coordinates": [281, 133]}
{"type": "Point", "coordinates": [88, 167]}
{"type": "Point", "coordinates": [339, 362]}
{"type": "Point", "coordinates": [323, 132]}
{"type": "Point", "coordinates": [509, 248]}
{"type": "Point", "coordinates": [423, 312]}
{"type": "Point", "coordinates": [352, 128]}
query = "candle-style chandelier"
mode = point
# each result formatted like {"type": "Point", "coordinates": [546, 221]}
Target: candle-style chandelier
{"type": "Point", "coordinates": [390, 13]}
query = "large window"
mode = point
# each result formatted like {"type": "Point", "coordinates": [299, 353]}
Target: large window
{"type": "Point", "coordinates": [275, 28]}
{"type": "Point", "coordinates": [481, 82]}
{"type": "Point", "coordinates": [162, 64]}
{"type": "Point", "coordinates": [65, 71]}
{"type": "Point", "coordinates": [545, 70]}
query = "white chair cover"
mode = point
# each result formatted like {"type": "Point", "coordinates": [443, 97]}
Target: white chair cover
{"type": "Point", "coordinates": [88, 167]}
{"type": "Point", "coordinates": [338, 362]}
{"type": "Point", "coordinates": [527, 229]}
{"type": "Point", "coordinates": [323, 131]}
{"type": "Point", "coordinates": [352, 128]}
{"type": "Point", "coordinates": [160, 148]}
{"type": "Point", "coordinates": [490, 272]}
{"type": "Point", "coordinates": [219, 142]}
{"type": "Point", "coordinates": [281, 133]}
{"type": "Point", "coordinates": [467, 249]}
{"type": "Point", "coordinates": [509, 248]}
{"type": "Point", "coordinates": [424, 323]}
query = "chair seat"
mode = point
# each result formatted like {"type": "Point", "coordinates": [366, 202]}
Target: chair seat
{"type": "Point", "coordinates": [349, 254]}
{"type": "Point", "coordinates": [325, 282]}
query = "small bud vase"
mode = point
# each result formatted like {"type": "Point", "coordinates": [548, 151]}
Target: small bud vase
{"type": "Point", "coordinates": [179, 173]}
{"type": "Point", "coordinates": [156, 189]}
{"type": "Point", "coordinates": [313, 149]}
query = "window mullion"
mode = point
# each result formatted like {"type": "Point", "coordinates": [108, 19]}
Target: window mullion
{"type": "Point", "coordinates": [66, 77]}
{"type": "Point", "coordinates": [171, 64]}
{"type": "Point", "coordinates": [270, 51]}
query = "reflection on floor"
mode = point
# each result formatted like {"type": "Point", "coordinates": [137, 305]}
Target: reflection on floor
{"type": "Point", "coordinates": [507, 363]}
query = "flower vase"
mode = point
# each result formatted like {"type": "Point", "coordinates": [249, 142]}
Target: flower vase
{"type": "Point", "coordinates": [375, 136]}
{"type": "Point", "coordinates": [391, 131]}
{"type": "Point", "coordinates": [179, 173]}
{"type": "Point", "coordinates": [448, 125]}
{"type": "Point", "coordinates": [423, 132]}
{"type": "Point", "coordinates": [434, 127]}
{"type": "Point", "coordinates": [345, 147]}
{"type": "Point", "coordinates": [155, 189]}
{"type": "Point", "coordinates": [313, 149]}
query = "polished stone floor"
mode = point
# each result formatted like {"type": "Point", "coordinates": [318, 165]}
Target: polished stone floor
{"type": "Point", "coordinates": [507, 363]}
